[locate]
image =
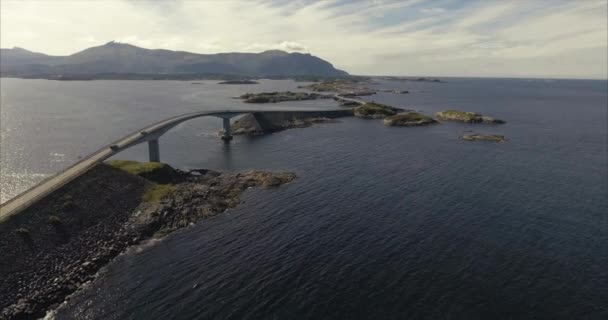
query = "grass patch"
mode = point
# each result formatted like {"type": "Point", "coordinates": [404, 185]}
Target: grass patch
{"type": "Point", "coordinates": [410, 116]}
{"type": "Point", "coordinates": [158, 192]}
{"type": "Point", "coordinates": [409, 119]}
{"type": "Point", "coordinates": [135, 167]}
{"type": "Point", "coordinates": [265, 97]}
{"type": "Point", "coordinates": [371, 108]}
{"type": "Point", "coordinates": [459, 115]}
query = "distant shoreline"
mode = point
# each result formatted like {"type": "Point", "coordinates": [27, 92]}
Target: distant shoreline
{"type": "Point", "coordinates": [223, 77]}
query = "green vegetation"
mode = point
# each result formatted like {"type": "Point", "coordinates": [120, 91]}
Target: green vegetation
{"type": "Point", "coordinates": [375, 110]}
{"type": "Point", "coordinates": [54, 220]}
{"type": "Point", "coordinates": [409, 119]}
{"type": "Point", "coordinates": [337, 85]}
{"type": "Point", "coordinates": [272, 97]}
{"type": "Point", "coordinates": [154, 171]}
{"type": "Point", "coordinates": [135, 167]}
{"type": "Point", "coordinates": [484, 137]}
{"type": "Point", "coordinates": [158, 192]}
{"type": "Point", "coordinates": [459, 115]}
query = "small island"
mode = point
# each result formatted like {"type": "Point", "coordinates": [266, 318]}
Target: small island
{"type": "Point", "coordinates": [255, 124]}
{"type": "Point", "coordinates": [273, 97]}
{"type": "Point", "coordinates": [395, 91]}
{"type": "Point", "coordinates": [419, 79]}
{"type": "Point", "coordinates": [345, 87]}
{"type": "Point", "coordinates": [409, 119]}
{"type": "Point", "coordinates": [484, 137]}
{"type": "Point", "coordinates": [372, 110]}
{"type": "Point", "coordinates": [423, 79]}
{"type": "Point", "coordinates": [464, 116]}
{"type": "Point", "coordinates": [239, 82]}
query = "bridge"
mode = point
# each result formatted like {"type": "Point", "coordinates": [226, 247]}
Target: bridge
{"type": "Point", "coordinates": [149, 134]}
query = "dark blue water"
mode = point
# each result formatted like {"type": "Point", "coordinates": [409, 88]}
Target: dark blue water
{"type": "Point", "coordinates": [391, 223]}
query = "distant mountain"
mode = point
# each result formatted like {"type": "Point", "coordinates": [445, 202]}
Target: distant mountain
{"type": "Point", "coordinates": [121, 58]}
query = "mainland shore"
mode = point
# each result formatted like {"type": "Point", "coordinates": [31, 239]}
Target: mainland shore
{"type": "Point", "coordinates": [55, 246]}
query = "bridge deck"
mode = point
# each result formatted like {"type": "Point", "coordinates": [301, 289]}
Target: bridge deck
{"type": "Point", "coordinates": [148, 133]}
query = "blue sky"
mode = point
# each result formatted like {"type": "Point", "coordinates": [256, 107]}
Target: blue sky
{"type": "Point", "coordinates": [517, 38]}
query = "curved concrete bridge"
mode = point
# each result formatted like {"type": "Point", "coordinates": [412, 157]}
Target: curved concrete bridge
{"type": "Point", "coordinates": [149, 134]}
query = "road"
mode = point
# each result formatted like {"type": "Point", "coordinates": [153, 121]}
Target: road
{"type": "Point", "coordinates": [148, 133]}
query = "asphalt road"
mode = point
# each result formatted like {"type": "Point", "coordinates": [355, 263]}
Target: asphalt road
{"type": "Point", "coordinates": [151, 132]}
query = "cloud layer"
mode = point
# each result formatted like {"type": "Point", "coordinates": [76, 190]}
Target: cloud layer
{"type": "Point", "coordinates": [443, 37]}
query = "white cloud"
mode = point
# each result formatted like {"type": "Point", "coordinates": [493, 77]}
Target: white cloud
{"type": "Point", "coordinates": [433, 10]}
{"type": "Point", "coordinates": [501, 38]}
{"type": "Point", "coordinates": [291, 46]}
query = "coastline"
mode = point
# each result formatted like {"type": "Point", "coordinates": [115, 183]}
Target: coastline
{"type": "Point", "coordinates": [54, 247]}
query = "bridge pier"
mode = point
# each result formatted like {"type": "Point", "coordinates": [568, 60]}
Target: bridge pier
{"type": "Point", "coordinates": [153, 150]}
{"type": "Point", "coordinates": [227, 135]}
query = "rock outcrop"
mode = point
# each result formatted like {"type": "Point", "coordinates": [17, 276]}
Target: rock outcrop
{"type": "Point", "coordinates": [464, 116]}
{"type": "Point", "coordinates": [484, 137]}
{"type": "Point", "coordinates": [372, 110]}
{"type": "Point", "coordinates": [206, 193]}
{"type": "Point", "coordinates": [409, 119]}
{"type": "Point", "coordinates": [269, 122]}
{"type": "Point", "coordinates": [51, 248]}
{"type": "Point", "coordinates": [351, 87]}
{"type": "Point", "coordinates": [272, 97]}
{"type": "Point", "coordinates": [238, 82]}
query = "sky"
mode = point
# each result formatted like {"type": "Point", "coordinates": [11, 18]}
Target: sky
{"type": "Point", "coordinates": [500, 38]}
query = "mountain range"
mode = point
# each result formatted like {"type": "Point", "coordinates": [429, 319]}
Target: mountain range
{"type": "Point", "coordinates": [121, 58]}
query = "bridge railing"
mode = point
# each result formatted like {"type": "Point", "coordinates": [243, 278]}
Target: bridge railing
{"type": "Point", "coordinates": [92, 155]}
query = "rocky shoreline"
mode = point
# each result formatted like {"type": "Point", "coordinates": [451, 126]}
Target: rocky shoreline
{"type": "Point", "coordinates": [409, 119]}
{"type": "Point", "coordinates": [466, 116]}
{"type": "Point", "coordinates": [484, 137]}
{"type": "Point", "coordinates": [372, 110]}
{"type": "Point", "coordinates": [255, 124]}
{"type": "Point", "coordinates": [273, 97]}
{"type": "Point", "coordinates": [58, 244]}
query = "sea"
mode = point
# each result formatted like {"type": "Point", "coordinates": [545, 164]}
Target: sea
{"type": "Point", "coordinates": [381, 223]}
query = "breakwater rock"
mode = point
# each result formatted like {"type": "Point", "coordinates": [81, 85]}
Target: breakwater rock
{"type": "Point", "coordinates": [59, 243]}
